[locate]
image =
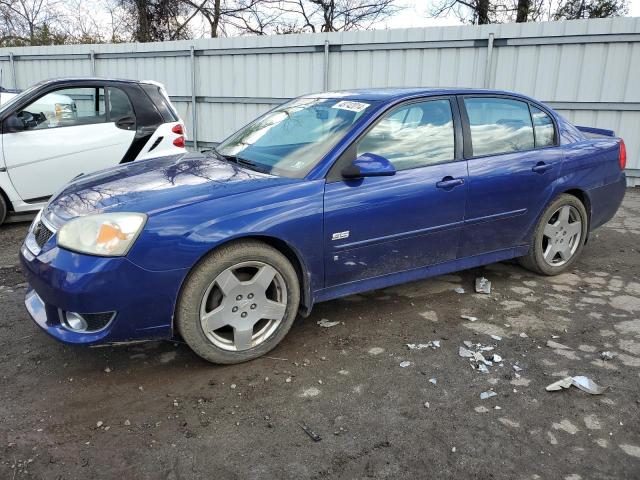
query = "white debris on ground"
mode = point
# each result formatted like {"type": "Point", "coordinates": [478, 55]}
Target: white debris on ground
{"type": "Point", "coordinates": [483, 285]}
{"type": "Point", "coordinates": [583, 383]}
{"type": "Point", "coordinates": [469, 317]}
{"type": "Point", "coordinates": [326, 323]}
{"type": "Point", "coordinates": [458, 290]}
{"type": "Point", "coordinates": [489, 394]}
{"type": "Point", "coordinates": [405, 364]}
{"type": "Point", "coordinates": [607, 355]}
{"type": "Point", "coordinates": [475, 352]}
{"type": "Point", "coordinates": [421, 346]}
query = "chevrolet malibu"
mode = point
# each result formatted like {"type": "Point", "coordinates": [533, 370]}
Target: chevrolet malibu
{"type": "Point", "coordinates": [325, 196]}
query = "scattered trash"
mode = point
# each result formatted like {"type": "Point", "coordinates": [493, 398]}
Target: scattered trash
{"type": "Point", "coordinates": [326, 323]}
{"type": "Point", "coordinates": [587, 385]}
{"type": "Point", "coordinates": [483, 368]}
{"type": "Point", "coordinates": [552, 344]}
{"type": "Point", "coordinates": [607, 355]}
{"type": "Point", "coordinates": [464, 353]}
{"type": "Point", "coordinates": [496, 337]}
{"type": "Point", "coordinates": [127, 423]}
{"type": "Point", "coordinates": [107, 370]}
{"type": "Point", "coordinates": [583, 383]}
{"type": "Point", "coordinates": [99, 423]}
{"type": "Point", "coordinates": [517, 368]}
{"type": "Point", "coordinates": [405, 364]}
{"type": "Point", "coordinates": [314, 436]}
{"type": "Point", "coordinates": [489, 394]}
{"type": "Point", "coordinates": [496, 358]}
{"type": "Point", "coordinates": [433, 380]}
{"type": "Point", "coordinates": [458, 290]}
{"type": "Point", "coordinates": [469, 317]}
{"type": "Point", "coordinates": [426, 404]}
{"type": "Point", "coordinates": [524, 335]}
{"type": "Point", "coordinates": [420, 346]}
{"type": "Point", "coordinates": [483, 285]}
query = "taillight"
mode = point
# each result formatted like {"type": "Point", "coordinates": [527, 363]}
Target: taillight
{"type": "Point", "coordinates": [623, 155]}
{"type": "Point", "coordinates": [179, 142]}
{"type": "Point", "coordinates": [178, 130]}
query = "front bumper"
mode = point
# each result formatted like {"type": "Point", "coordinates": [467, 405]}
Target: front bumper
{"type": "Point", "coordinates": [61, 280]}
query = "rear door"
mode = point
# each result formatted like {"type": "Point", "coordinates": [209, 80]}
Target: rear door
{"type": "Point", "coordinates": [383, 225]}
{"type": "Point", "coordinates": [68, 132]}
{"type": "Point", "coordinates": [514, 159]}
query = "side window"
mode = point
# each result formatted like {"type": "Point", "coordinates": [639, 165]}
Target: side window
{"type": "Point", "coordinates": [412, 136]}
{"type": "Point", "coordinates": [66, 107]}
{"type": "Point", "coordinates": [542, 127]}
{"type": "Point", "coordinates": [499, 125]}
{"type": "Point", "coordinates": [119, 104]}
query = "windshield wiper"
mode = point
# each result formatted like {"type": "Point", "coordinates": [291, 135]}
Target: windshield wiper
{"type": "Point", "coordinates": [240, 161]}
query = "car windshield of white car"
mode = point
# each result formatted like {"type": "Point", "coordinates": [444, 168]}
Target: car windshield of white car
{"type": "Point", "coordinates": [292, 138]}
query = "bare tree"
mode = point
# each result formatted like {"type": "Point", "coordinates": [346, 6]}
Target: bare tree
{"type": "Point", "coordinates": [575, 9]}
{"type": "Point", "coordinates": [29, 22]}
{"type": "Point", "coordinates": [156, 20]}
{"type": "Point", "coordinates": [335, 15]}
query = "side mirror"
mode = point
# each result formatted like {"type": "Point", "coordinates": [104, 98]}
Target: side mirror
{"type": "Point", "coordinates": [369, 165]}
{"type": "Point", "coordinates": [13, 123]}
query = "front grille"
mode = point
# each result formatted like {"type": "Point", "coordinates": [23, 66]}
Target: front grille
{"type": "Point", "coordinates": [42, 234]}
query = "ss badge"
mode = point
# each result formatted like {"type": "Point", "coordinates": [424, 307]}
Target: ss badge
{"type": "Point", "coordinates": [340, 235]}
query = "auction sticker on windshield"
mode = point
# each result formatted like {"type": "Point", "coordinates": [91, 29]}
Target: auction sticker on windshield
{"type": "Point", "coordinates": [351, 106]}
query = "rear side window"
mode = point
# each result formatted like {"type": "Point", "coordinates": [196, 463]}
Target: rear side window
{"type": "Point", "coordinates": [499, 125]}
{"type": "Point", "coordinates": [157, 97]}
{"type": "Point", "coordinates": [119, 104]}
{"type": "Point", "coordinates": [543, 128]}
{"type": "Point", "coordinates": [414, 135]}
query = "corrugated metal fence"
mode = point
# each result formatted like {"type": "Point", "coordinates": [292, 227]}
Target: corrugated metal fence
{"type": "Point", "coordinates": [589, 70]}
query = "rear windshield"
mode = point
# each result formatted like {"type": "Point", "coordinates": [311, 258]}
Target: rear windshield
{"type": "Point", "coordinates": [160, 101]}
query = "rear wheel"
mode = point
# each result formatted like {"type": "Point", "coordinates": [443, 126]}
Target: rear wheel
{"type": "Point", "coordinates": [3, 209]}
{"type": "Point", "coordinates": [559, 237]}
{"type": "Point", "coordinates": [238, 303]}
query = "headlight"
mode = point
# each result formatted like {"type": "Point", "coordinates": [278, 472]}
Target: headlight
{"type": "Point", "coordinates": [105, 234]}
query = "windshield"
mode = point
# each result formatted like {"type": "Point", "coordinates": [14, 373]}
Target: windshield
{"type": "Point", "coordinates": [292, 138]}
{"type": "Point", "coordinates": [18, 97]}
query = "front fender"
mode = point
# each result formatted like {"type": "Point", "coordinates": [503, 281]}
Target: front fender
{"type": "Point", "coordinates": [292, 214]}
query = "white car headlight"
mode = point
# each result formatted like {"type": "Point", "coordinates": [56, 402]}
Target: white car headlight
{"type": "Point", "coordinates": [104, 234]}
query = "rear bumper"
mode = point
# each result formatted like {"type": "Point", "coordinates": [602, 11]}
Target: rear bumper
{"type": "Point", "coordinates": [605, 201]}
{"type": "Point", "coordinates": [60, 280]}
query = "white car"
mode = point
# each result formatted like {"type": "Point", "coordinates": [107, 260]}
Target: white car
{"type": "Point", "coordinates": [60, 129]}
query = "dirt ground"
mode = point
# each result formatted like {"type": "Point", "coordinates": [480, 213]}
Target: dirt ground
{"type": "Point", "coordinates": [156, 410]}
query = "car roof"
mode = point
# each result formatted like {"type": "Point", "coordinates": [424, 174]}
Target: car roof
{"type": "Point", "coordinates": [389, 94]}
{"type": "Point", "coordinates": [74, 80]}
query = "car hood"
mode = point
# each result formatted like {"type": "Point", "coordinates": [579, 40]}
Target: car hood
{"type": "Point", "coordinates": [154, 185]}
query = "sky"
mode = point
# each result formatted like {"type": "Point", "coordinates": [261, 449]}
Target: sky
{"type": "Point", "coordinates": [415, 14]}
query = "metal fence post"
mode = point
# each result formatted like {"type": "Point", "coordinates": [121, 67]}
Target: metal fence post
{"type": "Point", "coordinates": [92, 59]}
{"type": "Point", "coordinates": [487, 68]}
{"type": "Point", "coordinates": [194, 115]}
{"type": "Point", "coordinates": [13, 70]}
{"type": "Point", "coordinates": [325, 84]}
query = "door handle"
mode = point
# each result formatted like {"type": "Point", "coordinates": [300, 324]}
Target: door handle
{"type": "Point", "coordinates": [126, 123]}
{"type": "Point", "coordinates": [447, 183]}
{"type": "Point", "coordinates": [541, 167]}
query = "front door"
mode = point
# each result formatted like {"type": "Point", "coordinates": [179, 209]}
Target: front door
{"type": "Point", "coordinates": [513, 164]}
{"type": "Point", "coordinates": [382, 225]}
{"type": "Point", "coordinates": [67, 133]}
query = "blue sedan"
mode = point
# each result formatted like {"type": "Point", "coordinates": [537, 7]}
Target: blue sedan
{"type": "Point", "coordinates": [325, 196]}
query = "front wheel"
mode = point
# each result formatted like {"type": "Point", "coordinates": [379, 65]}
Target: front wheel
{"type": "Point", "coordinates": [238, 303]}
{"type": "Point", "coordinates": [559, 237]}
{"type": "Point", "coordinates": [3, 209]}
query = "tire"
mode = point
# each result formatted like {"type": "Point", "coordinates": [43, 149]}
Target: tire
{"type": "Point", "coordinates": [3, 209]}
{"type": "Point", "coordinates": [225, 293]}
{"type": "Point", "coordinates": [553, 233]}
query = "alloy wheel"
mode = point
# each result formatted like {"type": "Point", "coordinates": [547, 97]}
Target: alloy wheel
{"type": "Point", "coordinates": [243, 306]}
{"type": "Point", "coordinates": [561, 236]}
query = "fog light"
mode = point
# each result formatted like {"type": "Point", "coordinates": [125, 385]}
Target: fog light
{"type": "Point", "coordinates": [75, 321]}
